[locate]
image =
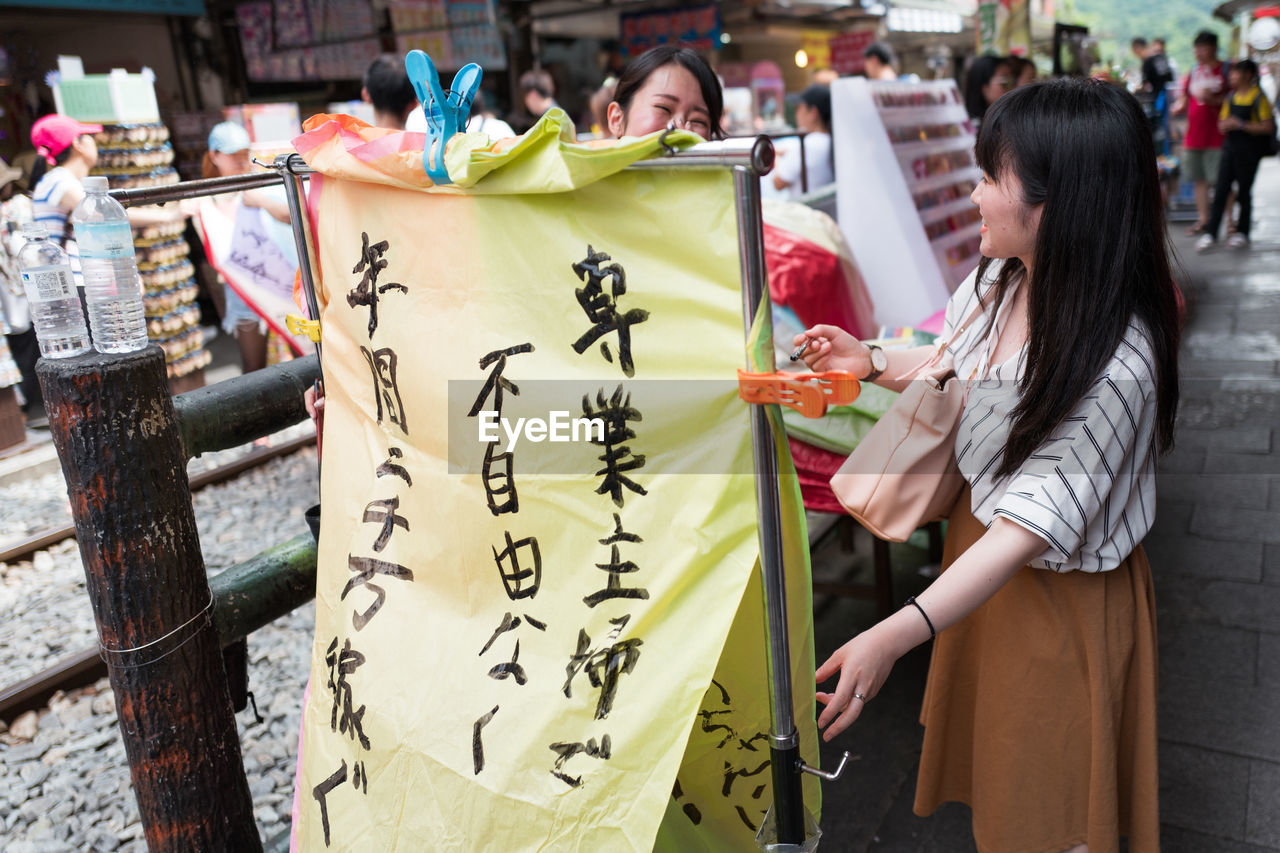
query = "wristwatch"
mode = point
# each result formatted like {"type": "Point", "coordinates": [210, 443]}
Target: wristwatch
{"type": "Point", "coordinates": [879, 363]}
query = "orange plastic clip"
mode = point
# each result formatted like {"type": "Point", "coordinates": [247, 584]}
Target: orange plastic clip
{"type": "Point", "coordinates": [807, 393]}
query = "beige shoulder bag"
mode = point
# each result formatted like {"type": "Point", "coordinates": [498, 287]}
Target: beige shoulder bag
{"type": "Point", "coordinates": [903, 473]}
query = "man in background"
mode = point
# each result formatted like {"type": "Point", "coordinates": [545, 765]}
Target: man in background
{"type": "Point", "coordinates": [1201, 97]}
{"type": "Point", "coordinates": [1156, 73]}
{"type": "Point", "coordinates": [387, 88]}
{"type": "Point", "coordinates": [537, 92]}
{"type": "Point", "coordinates": [879, 62]}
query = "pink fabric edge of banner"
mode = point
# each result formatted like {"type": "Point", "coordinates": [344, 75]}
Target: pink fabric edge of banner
{"type": "Point", "coordinates": [312, 139]}
{"type": "Point", "coordinates": [393, 143]}
{"type": "Point", "coordinates": [295, 812]}
{"type": "Point", "coordinates": [316, 186]}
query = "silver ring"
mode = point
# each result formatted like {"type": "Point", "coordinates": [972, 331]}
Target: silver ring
{"type": "Point", "coordinates": [861, 697]}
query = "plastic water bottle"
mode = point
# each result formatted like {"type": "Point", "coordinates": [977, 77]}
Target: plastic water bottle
{"type": "Point", "coordinates": [51, 292]}
{"type": "Point", "coordinates": [112, 287]}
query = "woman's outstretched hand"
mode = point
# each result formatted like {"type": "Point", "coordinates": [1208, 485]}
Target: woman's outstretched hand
{"type": "Point", "coordinates": [832, 348]}
{"type": "Point", "coordinates": [313, 400]}
{"type": "Point", "coordinates": [862, 665]}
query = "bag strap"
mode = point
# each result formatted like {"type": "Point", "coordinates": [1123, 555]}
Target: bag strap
{"type": "Point", "coordinates": [942, 346]}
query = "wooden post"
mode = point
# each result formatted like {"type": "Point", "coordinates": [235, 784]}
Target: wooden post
{"type": "Point", "coordinates": [114, 428]}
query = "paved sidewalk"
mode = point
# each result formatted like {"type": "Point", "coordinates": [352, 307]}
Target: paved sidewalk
{"type": "Point", "coordinates": [1215, 554]}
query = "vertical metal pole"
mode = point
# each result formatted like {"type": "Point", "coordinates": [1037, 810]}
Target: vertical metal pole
{"type": "Point", "coordinates": [784, 743]}
{"type": "Point", "coordinates": [298, 217]}
{"type": "Point", "coordinates": [113, 424]}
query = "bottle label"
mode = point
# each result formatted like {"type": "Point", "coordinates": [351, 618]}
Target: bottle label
{"type": "Point", "coordinates": [45, 284]}
{"type": "Point", "coordinates": [110, 240]}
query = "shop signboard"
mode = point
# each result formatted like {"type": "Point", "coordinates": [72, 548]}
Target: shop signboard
{"type": "Point", "coordinates": [151, 7]}
{"type": "Point", "coordinates": [697, 27]}
{"type": "Point", "coordinates": [847, 48]}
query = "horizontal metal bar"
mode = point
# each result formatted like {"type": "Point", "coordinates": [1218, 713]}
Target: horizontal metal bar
{"type": "Point", "coordinates": [754, 153]}
{"type": "Point", "coordinates": [196, 189]}
{"type": "Point", "coordinates": [243, 408]}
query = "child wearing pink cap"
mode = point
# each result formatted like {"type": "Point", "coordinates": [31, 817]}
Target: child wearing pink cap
{"type": "Point", "coordinates": [69, 152]}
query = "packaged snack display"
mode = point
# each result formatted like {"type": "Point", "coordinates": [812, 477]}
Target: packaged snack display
{"type": "Point", "coordinates": [903, 192]}
{"type": "Point", "coordinates": [140, 155]}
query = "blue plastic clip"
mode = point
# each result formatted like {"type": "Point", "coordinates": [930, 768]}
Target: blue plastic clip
{"type": "Point", "coordinates": [446, 112]}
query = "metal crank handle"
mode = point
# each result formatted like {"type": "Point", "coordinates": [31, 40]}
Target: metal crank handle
{"type": "Point", "coordinates": [829, 775]}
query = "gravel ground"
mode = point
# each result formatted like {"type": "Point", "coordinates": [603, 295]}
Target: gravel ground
{"type": "Point", "coordinates": [64, 779]}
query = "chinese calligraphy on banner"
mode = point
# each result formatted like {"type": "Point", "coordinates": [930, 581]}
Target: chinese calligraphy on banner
{"type": "Point", "coordinates": [522, 645]}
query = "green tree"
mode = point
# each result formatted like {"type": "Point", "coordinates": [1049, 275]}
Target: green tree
{"type": "Point", "coordinates": [1116, 22]}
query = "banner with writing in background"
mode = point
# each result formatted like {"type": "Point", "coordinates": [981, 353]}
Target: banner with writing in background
{"type": "Point", "coordinates": [256, 257]}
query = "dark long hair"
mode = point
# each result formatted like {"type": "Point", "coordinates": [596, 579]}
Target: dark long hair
{"type": "Point", "coordinates": [639, 69]}
{"type": "Point", "coordinates": [979, 75]}
{"type": "Point", "coordinates": [41, 165]}
{"type": "Point", "coordinates": [1082, 149]}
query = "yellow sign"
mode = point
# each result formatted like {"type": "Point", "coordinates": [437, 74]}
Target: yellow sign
{"type": "Point", "coordinates": [1004, 27]}
{"type": "Point", "coordinates": [538, 615]}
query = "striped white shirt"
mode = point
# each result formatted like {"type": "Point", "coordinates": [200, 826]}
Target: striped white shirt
{"type": "Point", "coordinates": [45, 198]}
{"type": "Point", "coordinates": [1089, 489]}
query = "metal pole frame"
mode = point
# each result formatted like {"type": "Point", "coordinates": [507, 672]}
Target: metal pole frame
{"type": "Point", "coordinates": [749, 158]}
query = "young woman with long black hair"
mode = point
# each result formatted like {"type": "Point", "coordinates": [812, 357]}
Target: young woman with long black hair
{"type": "Point", "coordinates": [1040, 707]}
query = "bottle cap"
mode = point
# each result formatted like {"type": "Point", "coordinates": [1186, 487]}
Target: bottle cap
{"type": "Point", "coordinates": [95, 184]}
{"type": "Point", "coordinates": [34, 231]}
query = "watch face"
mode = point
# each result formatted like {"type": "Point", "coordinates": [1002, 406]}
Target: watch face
{"type": "Point", "coordinates": [879, 361]}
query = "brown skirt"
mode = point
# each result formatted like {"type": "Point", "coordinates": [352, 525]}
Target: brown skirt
{"type": "Point", "coordinates": [1040, 709]}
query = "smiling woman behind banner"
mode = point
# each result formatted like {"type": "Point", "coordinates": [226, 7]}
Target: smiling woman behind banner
{"type": "Point", "coordinates": [1040, 707]}
{"type": "Point", "coordinates": [667, 86]}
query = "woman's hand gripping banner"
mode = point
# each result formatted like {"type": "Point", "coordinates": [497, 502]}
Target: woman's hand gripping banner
{"type": "Point", "coordinates": [538, 612]}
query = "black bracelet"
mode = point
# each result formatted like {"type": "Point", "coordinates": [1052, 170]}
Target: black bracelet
{"type": "Point", "coordinates": [933, 635]}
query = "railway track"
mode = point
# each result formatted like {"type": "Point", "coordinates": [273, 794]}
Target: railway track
{"type": "Point", "coordinates": [85, 667]}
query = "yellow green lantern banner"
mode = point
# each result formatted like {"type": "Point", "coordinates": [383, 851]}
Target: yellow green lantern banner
{"type": "Point", "coordinates": [1004, 27]}
{"type": "Point", "coordinates": [527, 643]}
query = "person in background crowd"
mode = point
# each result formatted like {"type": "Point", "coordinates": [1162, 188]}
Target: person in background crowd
{"type": "Point", "coordinates": [228, 154]}
{"type": "Point", "coordinates": [1248, 122]}
{"type": "Point", "coordinates": [825, 76]}
{"type": "Point", "coordinates": [879, 62]}
{"type": "Point", "coordinates": [483, 120]}
{"type": "Point", "coordinates": [667, 86]}
{"type": "Point", "coordinates": [813, 118]}
{"type": "Point", "coordinates": [1021, 70]}
{"type": "Point", "coordinates": [1156, 73]}
{"type": "Point", "coordinates": [537, 92]}
{"type": "Point", "coordinates": [988, 79]}
{"type": "Point", "coordinates": [67, 153]}
{"type": "Point", "coordinates": [599, 106]}
{"type": "Point", "coordinates": [1158, 46]}
{"type": "Point", "coordinates": [1201, 98]}
{"type": "Point", "coordinates": [387, 88]}
{"type": "Point", "coordinates": [1152, 91]}
{"type": "Point", "coordinates": [20, 335]}
{"type": "Point", "coordinates": [1138, 45]}
{"type": "Point", "coordinates": [1040, 705]}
